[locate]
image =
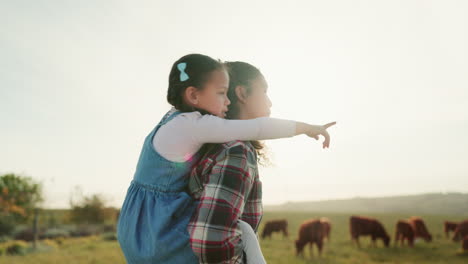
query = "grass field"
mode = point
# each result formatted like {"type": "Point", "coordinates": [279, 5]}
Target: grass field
{"type": "Point", "coordinates": [281, 250]}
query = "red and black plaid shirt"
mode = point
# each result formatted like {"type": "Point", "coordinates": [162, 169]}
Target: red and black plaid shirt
{"type": "Point", "coordinates": [228, 190]}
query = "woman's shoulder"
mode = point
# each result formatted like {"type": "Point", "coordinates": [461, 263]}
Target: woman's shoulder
{"type": "Point", "coordinates": [238, 144]}
{"type": "Point", "coordinates": [238, 148]}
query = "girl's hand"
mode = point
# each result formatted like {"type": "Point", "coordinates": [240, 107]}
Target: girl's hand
{"type": "Point", "coordinates": [314, 131]}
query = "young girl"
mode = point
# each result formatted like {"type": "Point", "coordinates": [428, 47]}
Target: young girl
{"type": "Point", "coordinates": [152, 226]}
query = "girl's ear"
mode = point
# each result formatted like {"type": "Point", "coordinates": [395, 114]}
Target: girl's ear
{"type": "Point", "coordinates": [191, 95]}
{"type": "Point", "coordinates": [241, 93]}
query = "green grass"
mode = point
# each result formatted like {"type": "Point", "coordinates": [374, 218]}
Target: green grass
{"type": "Point", "coordinates": [341, 250]}
{"type": "Point", "coordinates": [92, 250]}
{"type": "Point", "coordinates": [281, 250]}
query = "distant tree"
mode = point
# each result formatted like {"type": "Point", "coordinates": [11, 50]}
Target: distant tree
{"type": "Point", "coordinates": [90, 210]}
{"type": "Point", "coordinates": [19, 195]}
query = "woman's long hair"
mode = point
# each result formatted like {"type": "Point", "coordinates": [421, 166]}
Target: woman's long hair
{"type": "Point", "coordinates": [243, 74]}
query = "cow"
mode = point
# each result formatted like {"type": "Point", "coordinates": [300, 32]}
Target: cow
{"type": "Point", "coordinates": [419, 228]}
{"type": "Point", "coordinates": [311, 231]}
{"type": "Point", "coordinates": [327, 225]}
{"type": "Point", "coordinates": [461, 231]}
{"type": "Point", "coordinates": [279, 225]}
{"type": "Point", "coordinates": [449, 226]}
{"type": "Point", "coordinates": [364, 226]}
{"type": "Point", "coordinates": [465, 243]}
{"type": "Point", "coordinates": [404, 231]}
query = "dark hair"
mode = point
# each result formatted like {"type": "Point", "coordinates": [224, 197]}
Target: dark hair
{"type": "Point", "coordinates": [243, 74]}
{"type": "Point", "coordinates": [198, 68]}
{"type": "Point", "coordinates": [240, 74]}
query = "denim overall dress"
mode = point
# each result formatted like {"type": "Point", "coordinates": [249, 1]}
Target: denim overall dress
{"type": "Point", "coordinates": [152, 225]}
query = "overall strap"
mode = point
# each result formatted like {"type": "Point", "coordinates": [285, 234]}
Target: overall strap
{"type": "Point", "coordinates": [169, 116]}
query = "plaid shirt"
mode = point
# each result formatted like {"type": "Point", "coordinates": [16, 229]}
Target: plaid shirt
{"type": "Point", "coordinates": [228, 190]}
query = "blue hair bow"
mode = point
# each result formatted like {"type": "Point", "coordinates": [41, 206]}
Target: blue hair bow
{"type": "Point", "coordinates": [183, 76]}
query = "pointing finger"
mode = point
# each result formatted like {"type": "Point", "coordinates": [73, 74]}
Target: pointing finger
{"type": "Point", "coordinates": [329, 125]}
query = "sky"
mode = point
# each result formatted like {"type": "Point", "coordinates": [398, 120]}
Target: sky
{"type": "Point", "coordinates": [83, 82]}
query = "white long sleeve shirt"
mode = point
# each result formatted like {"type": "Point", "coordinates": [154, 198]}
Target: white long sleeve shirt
{"type": "Point", "coordinates": [180, 138]}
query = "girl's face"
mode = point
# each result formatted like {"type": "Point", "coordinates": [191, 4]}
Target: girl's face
{"type": "Point", "coordinates": [213, 97]}
{"type": "Point", "coordinates": [258, 103]}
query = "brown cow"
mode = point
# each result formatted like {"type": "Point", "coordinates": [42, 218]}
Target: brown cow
{"type": "Point", "coordinates": [419, 228]}
{"type": "Point", "coordinates": [311, 231]}
{"type": "Point", "coordinates": [461, 231]}
{"type": "Point", "coordinates": [449, 226]}
{"type": "Point", "coordinates": [465, 244]}
{"type": "Point", "coordinates": [280, 225]}
{"type": "Point", "coordinates": [362, 226]}
{"type": "Point", "coordinates": [327, 226]}
{"type": "Point", "coordinates": [404, 231]}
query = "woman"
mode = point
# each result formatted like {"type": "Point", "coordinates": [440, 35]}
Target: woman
{"type": "Point", "coordinates": [225, 181]}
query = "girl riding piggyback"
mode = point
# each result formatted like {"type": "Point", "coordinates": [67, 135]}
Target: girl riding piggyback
{"type": "Point", "coordinates": [152, 226]}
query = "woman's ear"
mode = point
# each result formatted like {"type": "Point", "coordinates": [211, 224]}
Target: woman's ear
{"type": "Point", "coordinates": [241, 93]}
{"type": "Point", "coordinates": [191, 95]}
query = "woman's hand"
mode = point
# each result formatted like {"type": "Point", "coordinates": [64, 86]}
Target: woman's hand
{"type": "Point", "coordinates": [314, 131]}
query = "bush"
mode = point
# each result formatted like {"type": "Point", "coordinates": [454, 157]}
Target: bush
{"type": "Point", "coordinates": [15, 247]}
{"type": "Point", "coordinates": [91, 210]}
{"type": "Point", "coordinates": [4, 239]}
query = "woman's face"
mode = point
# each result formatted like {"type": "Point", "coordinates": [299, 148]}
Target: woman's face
{"type": "Point", "coordinates": [257, 103]}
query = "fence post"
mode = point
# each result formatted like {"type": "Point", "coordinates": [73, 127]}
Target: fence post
{"type": "Point", "coordinates": [35, 229]}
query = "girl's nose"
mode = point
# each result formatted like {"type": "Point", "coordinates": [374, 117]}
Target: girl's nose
{"type": "Point", "coordinates": [270, 104]}
{"type": "Point", "coordinates": [228, 102]}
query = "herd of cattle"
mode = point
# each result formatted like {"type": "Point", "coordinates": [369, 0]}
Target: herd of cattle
{"type": "Point", "coordinates": [315, 231]}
